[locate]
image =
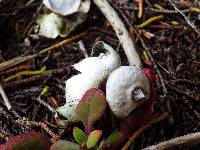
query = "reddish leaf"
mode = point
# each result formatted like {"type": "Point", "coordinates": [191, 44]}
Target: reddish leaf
{"type": "Point", "coordinates": [92, 106]}
{"type": "Point", "coordinates": [27, 141]}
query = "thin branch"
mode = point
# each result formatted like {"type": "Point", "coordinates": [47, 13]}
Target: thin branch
{"type": "Point", "coordinates": [21, 59]}
{"type": "Point", "coordinates": [140, 12]}
{"type": "Point", "coordinates": [27, 122]}
{"type": "Point", "coordinates": [186, 18]}
{"type": "Point", "coordinates": [139, 131]}
{"type": "Point", "coordinates": [150, 20]}
{"type": "Point", "coordinates": [155, 66]}
{"type": "Point", "coordinates": [186, 139]}
{"type": "Point", "coordinates": [5, 98]}
{"type": "Point", "coordinates": [51, 109]}
{"type": "Point", "coordinates": [164, 11]}
{"type": "Point", "coordinates": [185, 92]}
{"type": "Point", "coordinates": [83, 49]}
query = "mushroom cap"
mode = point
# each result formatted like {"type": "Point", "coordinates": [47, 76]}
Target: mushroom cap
{"type": "Point", "coordinates": [67, 7]}
{"type": "Point", "coordinates": [121, 87]}
{"type": "Point", "coordinates": [94, 70]}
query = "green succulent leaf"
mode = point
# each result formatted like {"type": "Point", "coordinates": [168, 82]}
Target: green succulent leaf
{"type": "Point", "coordinates": [114, 137]}
{"type": "Point", "coordinates": [65, 145]}
{"type": "Point", "coordinates": [93, 138]}
{"type": "Point", "coordinates": [92, 106]}
{"type": "Point", "coordinates": [27, 141]}
{"type": "Point", "coordinates": [79, 135]}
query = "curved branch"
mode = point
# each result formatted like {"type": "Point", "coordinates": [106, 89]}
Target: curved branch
{"type": "Point", "coordinates": [186, 139]}
{"type": "Point", "coordinates": [121, 31]}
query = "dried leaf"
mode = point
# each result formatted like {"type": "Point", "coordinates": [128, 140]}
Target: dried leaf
{"type": "Point", "coordinates": [65, 145]}
{"type": "Point", "coordinates": [92, 106]}
{"type": "Point", "coordinates": [93, 138]}
{"type": "Point", "coordinates": [79, 136]}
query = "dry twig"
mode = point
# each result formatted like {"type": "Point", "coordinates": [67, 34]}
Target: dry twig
{"type": "Point", "coordinates": [5, 98]}
{"type": "Point", "coordinates": [140, 12]}
{"type": "Point", "coordinates": [21, 59]}
{"type": "Point", "coordinates": [187, 93]}
{"type": "Point", "coordinates": [186, 18]}
{"type": "Point", "coordinates": [155, 66]}
{"type": "Point", "coordinates": [186, 139]}
{"type": "Point", "coordinates": [27, 122]}
{"type": "Point", "coordinates": [163, 11]}
{"type": "Point", "coordinates": [150, 20]}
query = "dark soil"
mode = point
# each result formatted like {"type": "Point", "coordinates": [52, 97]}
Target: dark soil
{"type": "Point", "coordinates": [175, 49]}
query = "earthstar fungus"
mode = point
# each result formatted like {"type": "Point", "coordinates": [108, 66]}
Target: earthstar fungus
{"type": "Point", "coordinates": [94, 70]}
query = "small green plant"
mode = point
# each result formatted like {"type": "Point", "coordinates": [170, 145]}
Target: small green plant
{"type": "Point", "coordinates": [87, 142]}
{"type": "Point", "coordinates": [91, 107]}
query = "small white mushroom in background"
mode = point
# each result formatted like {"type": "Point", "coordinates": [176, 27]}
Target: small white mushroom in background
{"type": "Point", "coordinates": [94, 70]}
{"type": "Point", "coordinates": [49, 25]}
{"type": "Point", "coordinates": [68, 7]}
{"type": "Point", "coordinates": [52, 25]}
{"type": "Point", "coordinates": [126, 88]}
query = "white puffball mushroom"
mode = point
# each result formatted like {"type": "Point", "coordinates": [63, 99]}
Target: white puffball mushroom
{"type": "Point", "coordinates": [126, 88]}
{"type": "Point", "coordinates": [67, 7]}
{"type": "Point", "coordinates": [94, 70]}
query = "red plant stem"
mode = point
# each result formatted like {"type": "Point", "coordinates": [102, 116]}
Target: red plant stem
{"type": "Point", "coordinates": [88, 128]}
{"type": "Point", "coordinates": [158, 26]}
